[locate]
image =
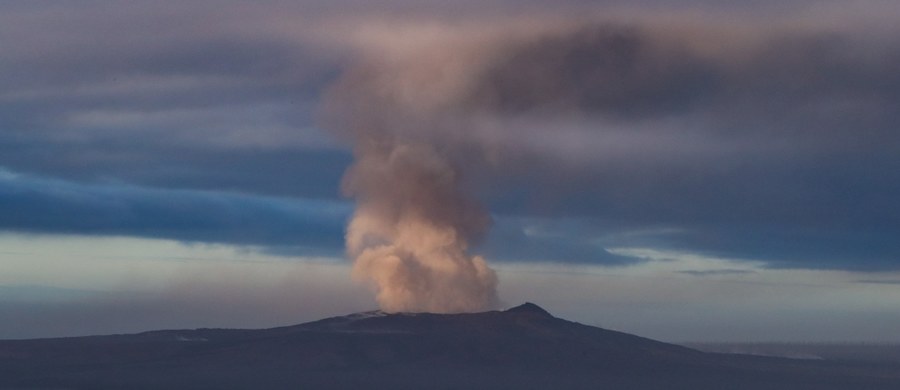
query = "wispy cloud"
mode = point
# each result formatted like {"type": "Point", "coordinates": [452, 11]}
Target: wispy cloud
{"type": "Point", "coordinates": [39, 205]}
{"type": "Point", "coordinates": [717, 272]}
{"type": "Point", "coordinates": [879, 281]}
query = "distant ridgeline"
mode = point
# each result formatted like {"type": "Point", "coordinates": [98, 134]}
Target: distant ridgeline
{"type": "Point", "coordinates": [524, 347]}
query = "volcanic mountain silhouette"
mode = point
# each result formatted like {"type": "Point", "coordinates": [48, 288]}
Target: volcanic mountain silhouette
{"type": "Point", "coordinates": [521, 348]}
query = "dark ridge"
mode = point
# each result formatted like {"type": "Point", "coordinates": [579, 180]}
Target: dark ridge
{"type": "Point", "coordinates": [524, 347]}
{"type": "Point", "coordinates": [529, 308]}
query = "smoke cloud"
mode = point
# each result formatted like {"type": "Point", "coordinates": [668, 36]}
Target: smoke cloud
{"type": "Point", "coordinates": [655, 122]}
{"type": "Point", "coordinates": [411, 231]}
{"type": "Point", "coordinates": [415, 222]}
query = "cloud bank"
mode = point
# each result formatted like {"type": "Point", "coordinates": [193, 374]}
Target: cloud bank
{"type": "Point", "coordinates": [769, 137]}
{"type": "Point", "coordinates": [37, 205]}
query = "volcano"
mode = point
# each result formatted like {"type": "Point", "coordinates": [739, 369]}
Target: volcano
{"type": "Point", "coordinates": [524, 347]}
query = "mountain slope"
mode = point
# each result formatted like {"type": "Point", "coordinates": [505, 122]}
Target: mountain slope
{"type": "Point", "coordinates": [523, 347]}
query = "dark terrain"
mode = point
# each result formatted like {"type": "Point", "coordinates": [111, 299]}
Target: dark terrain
{"type": "Point", "coordinates": [521, 348]}
{"type": "Point", "coordinates": [859, 352]}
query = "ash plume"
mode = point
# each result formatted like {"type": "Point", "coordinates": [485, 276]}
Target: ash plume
{"type": "Point", "coordinates": [414, 222]}
{"type": "Point", "coordinates": [625, 121]}
{"type": "Point", "coordinates": [411, 231]}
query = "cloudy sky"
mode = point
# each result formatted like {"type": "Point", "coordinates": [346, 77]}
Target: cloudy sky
{"type": "Point", "coordinates": [690, 171]}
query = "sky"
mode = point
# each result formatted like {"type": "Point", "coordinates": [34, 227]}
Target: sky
{"type": "Point", "coordinates": [687, 170]}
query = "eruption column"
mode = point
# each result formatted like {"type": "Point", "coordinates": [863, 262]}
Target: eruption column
{"type": "Point", "coordinates": [411, 231]}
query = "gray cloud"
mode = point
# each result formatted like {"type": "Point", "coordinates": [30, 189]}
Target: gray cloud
{"type": "Point", "coordinates": [717, 272]}
{"type": "Point", "coordinates": [52, 206]}
{"type": "Point", "coordinates": [612, 71]}
{"type": "Point", "coordinates": [173, 96]}
{"type": "Point", "coordinates": [879, 281]}
{"type": "Point", "coordinates": [552, 240]}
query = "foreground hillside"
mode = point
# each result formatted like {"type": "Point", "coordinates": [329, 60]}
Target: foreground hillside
{"type": "Point", "coordinates": [524, 347]}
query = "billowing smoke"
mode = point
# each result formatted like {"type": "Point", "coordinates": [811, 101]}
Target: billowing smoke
{"type": "Point", "coordinates": [425, 107]}
{"type": "Point", "coordinates": [625, 121]}
{"type": "Point", "coordinates": [411, 231]}
{"type": "Point", "coordinates": [414, 223]}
